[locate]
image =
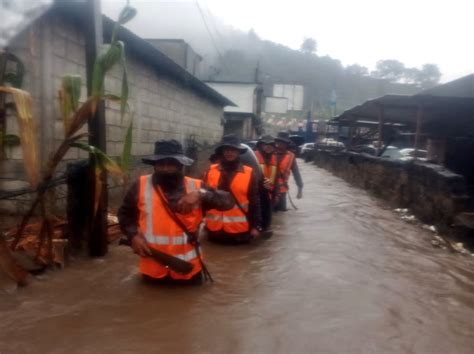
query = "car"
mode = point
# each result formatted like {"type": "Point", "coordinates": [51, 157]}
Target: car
{"type": "Point", "coordinates": [329, 144]}
{"type": "Point", "coordinates": [410, 154]}
{"type": "Point", "coordinates": [391, 152]}
{"type": "Point", "coordinates": [306, 151]}
{"type": "Point", "coordinates": [307, 147]}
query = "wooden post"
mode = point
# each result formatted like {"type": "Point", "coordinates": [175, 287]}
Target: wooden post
{"type": "Point", "coordinates": [3, 67]}
{"type": "Point", "coordinates": [94, 40]}
{"type": "Point", "coordinates": [380, 133]}
{"type": "Point", "coordinates": [419, 122]}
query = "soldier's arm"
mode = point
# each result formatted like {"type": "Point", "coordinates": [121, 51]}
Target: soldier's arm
{"type": "Point", "coordinates": [216, 199]}
{"type": "Point", "coordinates": [128, 212]}
{"type": "Point", "coordinates": [296, 175]}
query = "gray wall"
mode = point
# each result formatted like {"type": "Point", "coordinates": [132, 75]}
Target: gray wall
{"type": "Point", "coordinates": [431, 192]}
{"type": "Point", "coordinates": [163, 108]}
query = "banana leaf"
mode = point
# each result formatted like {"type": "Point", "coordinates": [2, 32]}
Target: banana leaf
{"type": "Point", "coordinates": [127, 149]}
{"type": "Point", "coordinates": [103, 160]}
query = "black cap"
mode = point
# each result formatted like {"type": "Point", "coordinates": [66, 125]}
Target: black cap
{"type": "Point", "coordinates": [168, 149]}
{"type": "Point", "coordinates": [230, 140]}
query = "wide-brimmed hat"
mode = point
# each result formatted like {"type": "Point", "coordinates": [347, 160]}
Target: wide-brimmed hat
{"type": "Point", "coordinates": [283, 136]}
{"type": "Point", "coordinates": [168, 149]}
{"type": "Point", "coordinates": [230, 140]}
{"type": "Point", "coordinates": [266, 139]}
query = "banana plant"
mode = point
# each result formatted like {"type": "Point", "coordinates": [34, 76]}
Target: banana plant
{"type": "Point", "coordinates": [75, 116]}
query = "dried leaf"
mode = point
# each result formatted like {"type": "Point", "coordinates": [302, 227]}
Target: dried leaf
{"type": "Point", "coordinates": [28, 132]}
{"type": "Point", "coordinates": [81, 116]}
{"type": "Point", "coordinates": [69, 98]}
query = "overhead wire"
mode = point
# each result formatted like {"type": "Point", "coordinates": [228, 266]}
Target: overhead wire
{"type": "Point", "coordinates": [211, 36]}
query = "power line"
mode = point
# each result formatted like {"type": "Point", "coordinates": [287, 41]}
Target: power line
{"type": "Point", "coordinates": [210, 35]}
{"type": "Point", "coordinates": [214, 23]}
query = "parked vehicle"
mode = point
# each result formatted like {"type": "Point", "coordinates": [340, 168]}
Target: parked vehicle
{"type": "Point", "coordinates": [306, 151]}
{"type": "Point", "coordinates": [391, 152]}
{"type": "Point", "coordinates": [308, 147]}
{"type": "Point", "coordinates": [329, 144]}
{"type": "Point", "coordinates": [409, 154]}
{"type": "Point", "coordinates": [394, 153]}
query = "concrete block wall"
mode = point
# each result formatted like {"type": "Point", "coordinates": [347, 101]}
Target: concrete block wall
{"type": "Point", "coordinates": [162, 107]}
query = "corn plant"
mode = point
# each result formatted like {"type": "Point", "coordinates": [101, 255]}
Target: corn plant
{"type": "Point", "coordinates": [74, 116]}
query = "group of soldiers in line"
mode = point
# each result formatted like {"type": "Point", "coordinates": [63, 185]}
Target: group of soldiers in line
{"type": "Point", "coordinates": [162, 213]}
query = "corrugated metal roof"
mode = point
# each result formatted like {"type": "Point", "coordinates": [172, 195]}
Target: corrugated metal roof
{"type": "Point", "coordinates": [462, 87]}
{"type": "Point", "coordinates": [403, 109]}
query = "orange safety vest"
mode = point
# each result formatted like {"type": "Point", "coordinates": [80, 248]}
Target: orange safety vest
{"type": "Point", "coordinates": [231, 221]}
{"type": "Point", "coordinates": [284, 171]}
{"type": "Point", "coordinates": [162, 233]}
{"type": "Point", "coordinates": [270, 170]}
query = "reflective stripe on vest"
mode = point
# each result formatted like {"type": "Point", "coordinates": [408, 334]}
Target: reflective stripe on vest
{"type": "Point", "coordinates": [231, 221]}
{"type": "Point", "coordinates": [268, 170]}
{"type": "Point", "coordinates": [226, 219]}
{"type": "Point", "coordinates": [155, 223]}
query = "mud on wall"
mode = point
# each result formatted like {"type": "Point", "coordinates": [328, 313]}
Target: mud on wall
{"type": "Point", "coordinates": [435, 195]}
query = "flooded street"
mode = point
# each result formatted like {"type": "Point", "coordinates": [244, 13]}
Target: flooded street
{"type": "Point", "coordinates": [343, 274]}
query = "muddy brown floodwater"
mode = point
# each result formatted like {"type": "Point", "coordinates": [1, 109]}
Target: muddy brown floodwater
{"type": "Point", "coordinates": [343, 274]}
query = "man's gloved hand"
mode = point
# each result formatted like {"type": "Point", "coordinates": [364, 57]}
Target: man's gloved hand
{"type": "Point", "coordinates": [300, 194]}
{"type": "Point", "coordinates": [140, 246]}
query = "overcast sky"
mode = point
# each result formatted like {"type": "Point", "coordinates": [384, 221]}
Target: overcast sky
{"type": "Point", "coordinates": [353, 31]}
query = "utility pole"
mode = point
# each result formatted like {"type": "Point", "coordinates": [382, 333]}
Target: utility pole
{"type": "Point", "coordinates": [97, 223]}
{"type": "Point", "coordinates": [259, 102]}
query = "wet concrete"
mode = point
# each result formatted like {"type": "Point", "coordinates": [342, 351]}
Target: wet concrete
{"type": "Point", "coordinates": [343, 274]}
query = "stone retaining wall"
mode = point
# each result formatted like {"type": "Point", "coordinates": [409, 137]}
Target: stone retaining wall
{"type": "Point", "coordinates": [434, 194]}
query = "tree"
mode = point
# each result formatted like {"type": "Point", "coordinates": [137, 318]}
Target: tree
{"type": "Point", "coordinates": [429, 75]}
{"type": "Point", "coordinates": [309, 46]}
{"type": "Point", "coordinates": [390, 69]}
{"type": "Point", "coordinates": [253, 35]}
{"type": "Point", "coordinates": [411, 76]}
{"type": "Point", "coordinates": [357, 70]}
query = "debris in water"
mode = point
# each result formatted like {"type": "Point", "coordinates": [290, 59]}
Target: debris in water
{"type": "Point", "coordinates": [459, 246]}
{"type": "Point", "coordinates": [431, 228]}
{"type": "Point", "coordinates": [409, 218]}
{"type": "Point", "coordinates": [401, 211]}
{"type": "Point", "coordinates": [435, 243]}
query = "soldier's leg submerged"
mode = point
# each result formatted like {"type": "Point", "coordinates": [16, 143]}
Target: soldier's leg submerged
{"type": "Point", "coordinates": [266, 205]}
{"type": "Point", "coordinates": [281, 203]}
